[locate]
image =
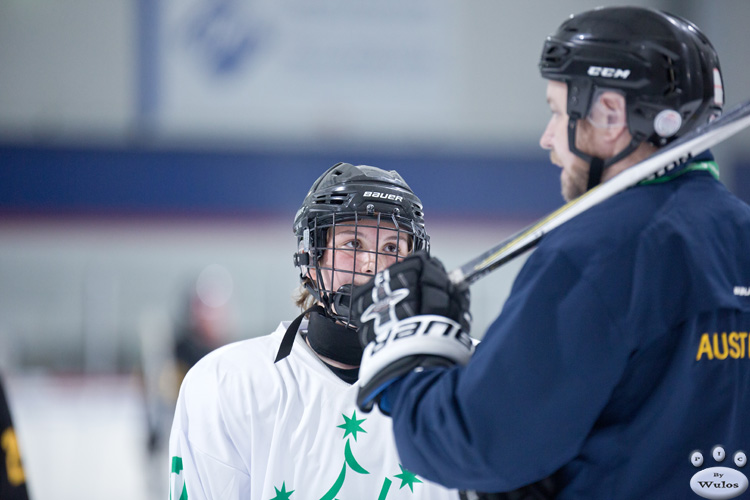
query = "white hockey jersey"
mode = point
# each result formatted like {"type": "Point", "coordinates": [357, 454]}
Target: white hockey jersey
{"type": "Point", "coordinates": [248, 428]}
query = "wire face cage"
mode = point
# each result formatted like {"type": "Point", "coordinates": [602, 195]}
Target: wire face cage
{"type": "Point", "coordinates": [350, 249]}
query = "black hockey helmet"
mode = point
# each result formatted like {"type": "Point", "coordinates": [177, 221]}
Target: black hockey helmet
{"type": "Point", "coordinates": [343, 196]}
{"type": "Point", "coordinates": [665, 67]}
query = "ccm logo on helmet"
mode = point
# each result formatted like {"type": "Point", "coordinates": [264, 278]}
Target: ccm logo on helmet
{"type": "Point", "coordinates": [608, 72]}
{"type": "Point", "coordinates": [385, 196]}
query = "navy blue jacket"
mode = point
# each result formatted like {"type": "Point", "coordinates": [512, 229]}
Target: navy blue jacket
{"type": "Point", "coordinates": [622, 349]}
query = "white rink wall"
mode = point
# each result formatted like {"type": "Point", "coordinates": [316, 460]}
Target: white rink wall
{"type": "Point", "coordinates": [82, 438]}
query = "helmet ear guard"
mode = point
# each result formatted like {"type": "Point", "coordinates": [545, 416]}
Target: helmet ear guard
{"type": "Point", "coordinates": [580, 97]}
{"type": "Point", "coordinates": [306, 260]}
{"type": "Point", "coordinates": [302, 257]}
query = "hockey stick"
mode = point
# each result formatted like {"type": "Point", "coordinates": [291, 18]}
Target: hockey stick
{"type": "Point", "coordinates": [665, 159]}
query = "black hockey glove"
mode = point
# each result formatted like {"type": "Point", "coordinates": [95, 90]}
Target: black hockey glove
{"type": "Point", "coordinates": [409, 315]}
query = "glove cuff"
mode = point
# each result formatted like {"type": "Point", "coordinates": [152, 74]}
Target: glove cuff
{"type": "Point", "coordinates": [411, 342]}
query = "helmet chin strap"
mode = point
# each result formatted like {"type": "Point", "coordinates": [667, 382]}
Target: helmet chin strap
{"type": "Point", "coordinates": [596, 164]}
{"type": "Point", "coordinates": [596, 169]}
{"type": "Point", "coordinates": [336, 303]}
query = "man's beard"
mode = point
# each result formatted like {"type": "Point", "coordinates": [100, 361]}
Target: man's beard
{"type": "Point", "coordinates": [572, 186]}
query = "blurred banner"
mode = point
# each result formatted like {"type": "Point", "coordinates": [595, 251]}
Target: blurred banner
{"type": "Point", "coordinates": [298, 70]}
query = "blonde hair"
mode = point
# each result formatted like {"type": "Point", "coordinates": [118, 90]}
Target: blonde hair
{"type": "Point", "coordinates": [302, 296]}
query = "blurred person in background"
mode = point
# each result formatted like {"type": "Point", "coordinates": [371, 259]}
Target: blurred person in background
{"type": "Point", "coordinates": [200, 326]}
{"type": "Point", "coordinates": [274, 416]}
{"type": "Point", "coordinates": [204, 325]}
{"type": "Point", "coordinates": [12, 475]}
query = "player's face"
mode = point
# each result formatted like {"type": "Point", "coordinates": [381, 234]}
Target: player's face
{"type": "Point", "coordinates": [575, 171]}
{"type": "Point", "coordinates": [355, 253]}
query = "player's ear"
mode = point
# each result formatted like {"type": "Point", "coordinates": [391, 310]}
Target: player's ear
{"type": "Point", "coordinates": [609, 114]}
{"type": "Point", "coordinates": [614, 103]}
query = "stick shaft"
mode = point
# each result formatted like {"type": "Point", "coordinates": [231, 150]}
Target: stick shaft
{"type": "Point", "coordinates": [702, 138]}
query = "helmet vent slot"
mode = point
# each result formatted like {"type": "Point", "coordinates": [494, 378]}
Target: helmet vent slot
{"type": "Point", "coordinates": [671, 86]}
{"type": "Point", "coordinates": [330, 199]}
{"type": "Point", "coordinates": [555, 54]}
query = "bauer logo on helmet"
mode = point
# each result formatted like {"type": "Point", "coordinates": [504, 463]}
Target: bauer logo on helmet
{"type": "Point", "coordinates": [383, 196]}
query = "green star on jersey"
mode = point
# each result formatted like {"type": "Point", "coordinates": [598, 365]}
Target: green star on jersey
{"type": "Point", "coordinates": [407, 478]}
{"type": "Point", "coordinates": [177, 482]}
{"type": "Point", "coordinates": [352, 425]}
{"type": "Point", "coordinates": [282, 494]}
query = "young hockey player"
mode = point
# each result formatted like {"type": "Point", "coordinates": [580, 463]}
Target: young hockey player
{"type": "Point", "coordinates": [274, 417]}
{"type": "Point", "coordinates": [619, 367]}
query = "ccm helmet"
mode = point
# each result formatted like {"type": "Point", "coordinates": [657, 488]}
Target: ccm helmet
{"type": "Point", "coordinates": [667, 70]}
{"type": "Point", "coordinates": [343, 197]}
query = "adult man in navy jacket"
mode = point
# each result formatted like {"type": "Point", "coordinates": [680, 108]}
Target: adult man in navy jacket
{"type": "Point", "coordinates": [620, 364]}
